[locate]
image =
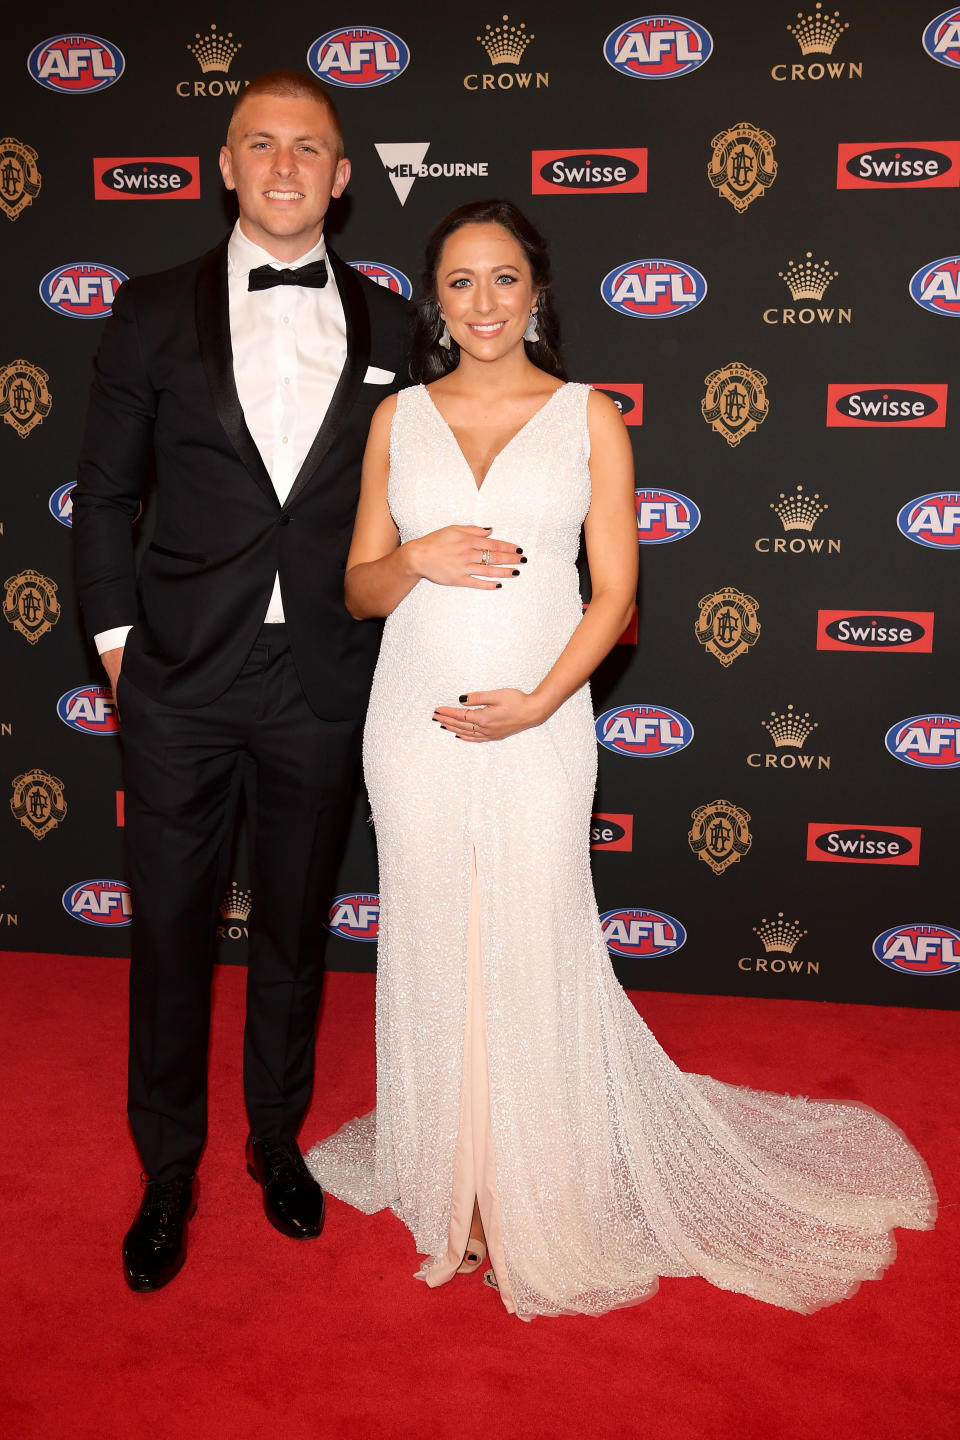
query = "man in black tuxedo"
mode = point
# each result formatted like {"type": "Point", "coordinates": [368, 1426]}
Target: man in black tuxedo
{"type": "Point", "coordinates": [248, 378]}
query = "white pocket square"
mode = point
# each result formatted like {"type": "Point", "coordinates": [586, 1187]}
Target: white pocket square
{"type": "Point", "coordinates": [375, 376]}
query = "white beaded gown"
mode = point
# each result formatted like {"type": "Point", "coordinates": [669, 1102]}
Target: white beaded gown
{"type": "Point", "coordinates": [510, 1064]}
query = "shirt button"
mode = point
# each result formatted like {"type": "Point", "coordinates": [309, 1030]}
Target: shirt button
{"type": "Point", "coordinates": [284, 439]}
{"type": "Point", "coordinates": [286, 379]}
{"type": "Point", "coordinates": [286, 319]}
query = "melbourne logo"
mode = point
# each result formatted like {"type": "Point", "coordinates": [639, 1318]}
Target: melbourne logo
{"type": "Point", "coordinates": [75, 64]}
{"type": "Point", "coordinates": [863, 844]}
{"type": "Point", "coordinates": [358, 58]}
{"type": "Point", "coordinates": [808, 279]}
{"type": "Point", "coordinates": [406, 162]}
{"type": "Point", "coordinates": [932, 520]}
{"type": "Point", "coordinates": [19, 177]}
{"type": "Point", "coordinates": [664, 516]}
{"type": "Point", "coordinates": [25, 398]}
{"type": "Point", "coordinates": [37, 802]}
{"type": "Point", "coordinates": [919, 949]}
{"type": "Point", "coordinates": [931, 742]}
{"type": "Point", "coordinates": [742, 166]}
{"type": "Point", "coordinates": [386, 276]}
{"type": "Point", "coordinates": [84, 289]}
{"type": "Point", "coordinates": [789, 730]}
{"type": "Point", "coordinates": [589, 172]}
{"type": "Point", "coordinates": [30, 604]}
{"type": "Point", "coordinates": [146, 177]}
{"type": "Point", "coordinates": [611, 832]}
{"type": "Point", "coordinates": [89, 709]}
{"type": "Point", "coordinates": [941, 39]}
{"type": "Point", "coordinates": [817, 33]}
{"type": "Point", "coordinates": [658, 47]}
{"type": "Point", "coordinates": [911, 407]}
{"type": "Point", "coordinates": [720, 834]}
{"type": "Point", "coordinates": [909, 630]}
{"type": "Point", "coordinates": [355, 917]}
{"type": "Point", "coordinates": [99, 902]}
{"type": "Point", "coordinates": [919, 164]}
{"type": "Point", "coordinates": [61, 503]}
{"type": "Point", "coordinates": [641, 934]}
{"type": "Point", "coordinates": [653, 289]}
{"type": "Point", "coordinates": [505, 44]}
{"type": "Point", "coordinates": [728, 626]}
{"type": "Point", "coordinates": [798, 514]}
{"type": "Point", "coordinates": [628, 398]}
{"type": "Point", "coordinates": [214, 53]}
{"type": "Point", "coordinates": [735, 402]}
{"type": "Point", "coordinates": [936, 286]}
{"type": "Point", "coordinates": [646, 731]}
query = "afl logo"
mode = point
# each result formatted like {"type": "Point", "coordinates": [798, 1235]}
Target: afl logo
{"type": "Point", "coordinates": [83, 289]}
{"type": "Point", "coordinates": [658, 47]}
{"type": "Point", "coordinates": [937, 286]}
{"type": "Point", "coordinates": [385, 276]}
{"type": "Point", "coordinates": [919, 949]}
{"type": "Point", "coordinates": [932, 520]}
{"type": "Point", "coordinates": [931, 742]}
{"type": "Point", "coordinates": [75, 64]}
{"type": "Point", "coordinates": [647, 731]}
{"type": "Point", "coordinates": [641, 934]}
{"type": "Point", "coordinates": [663, 516]}
{"type": "Point", "coordinates": [99, 902]}
{"type": "Point", "coordinates": [653, 289]}
{"type": "Point", "coordinates": [941, 39]}
{"type": "Point", "coordinates": [89, 709]}
{"type": "Point", "coordinates": [355, 917]}
{"type": "Point", "coordinates": [61, 503]}
{"type": "Point", "coordinates": [358, 58]}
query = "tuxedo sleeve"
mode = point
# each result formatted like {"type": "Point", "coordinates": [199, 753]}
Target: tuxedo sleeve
{"type": "Point", "coordinates": [114, 464]}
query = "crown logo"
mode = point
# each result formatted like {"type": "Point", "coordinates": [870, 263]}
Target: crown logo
{"type": "Point", "coordinates": [779, 934]}
{"type": "Point", "coordinates": [798, 512]}
{"type": "Point", "coordinates": [505, 43]}
{"type": "Point", "coordinates": [809, 279]}
{"type": "Point", "coordinates": [789, 728]}
{"type": "Point", "coordinates": [215, 52]}
{"type": "Point", "coordinates": [818, 33]}
{"type": "Point", "coordinates": [237, 903]}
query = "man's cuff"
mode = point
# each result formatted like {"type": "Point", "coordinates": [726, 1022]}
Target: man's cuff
{"type": "Point", "coordinates": [111, 639]}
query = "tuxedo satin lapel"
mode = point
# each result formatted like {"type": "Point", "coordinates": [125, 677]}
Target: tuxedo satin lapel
{"type": "Point", "coordinates": [216, 353]}
{"type": "Point", "coordinates": [357, 317]}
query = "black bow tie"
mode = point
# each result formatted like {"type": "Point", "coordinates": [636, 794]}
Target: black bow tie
{"type": "Point", "coordinates": [313, 275]}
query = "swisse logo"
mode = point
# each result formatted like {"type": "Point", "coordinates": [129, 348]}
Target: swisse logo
{"type": "Point", "coordinates": [61, 503]}
{"type": "Point", "coordinates": [611, 832]}
{"type": "Point", "coordinates": [75, 64]}
{"type": "Point", "coordinates": [920, 949]}
{"type": "Point", "coordinates": [597, 172]}
{"type": "Point", "coordinates": [910, 630]}
{"type": "Point", "coordinates": [664, 516]}
{"type": "Point", "coordinates": [932, 520]}
{"type": "Point", "coordinates": [910, 407]}
{"type": "Point", "coordinates": [641, 934]}
{"type": "Point", "coordinates": [146, 177]}
{"type": "Point", "coordinates": [386, 276]}
{"type": "Point", "coordinates": [653, 289]}
{"type": "Point", "coordinates": [932, 742]}
{"type": "Point", "coordinates": [83, 289]}
{"type": "Point", "coordinates": [658, 47]}
{"type": "Point", "coordinates": [89, 709]}
{"type": "Point", "coordinates": [941, 39]}
{"type": "Point", "coordinates": [864, 845]}
{"type": "Point", "coordinates": [645, 731]}
{"type": "Point", "coordinates": [358, 58]}
{"type": "Point", "coordinates": [936, 286]}
{"type": "Point", "coordinates": [628, 399]}
{"type": "Point", "coordinates": [920, 164]}
{"type": "Point", "coordinates": [99, 902]}
{"type": "Point", "coordinates": [355, 917]}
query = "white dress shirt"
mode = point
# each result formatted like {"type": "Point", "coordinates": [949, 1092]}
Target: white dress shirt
{"type": "Point", "coordinates": [289, 347]}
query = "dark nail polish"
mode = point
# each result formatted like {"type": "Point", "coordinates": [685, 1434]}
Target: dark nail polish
{"type": "Point", "coordinates": [433, 717]}
{"type": "Point", "coordinates": [523, 560]}
{"type": "Point", "coordinates": [514, 572]}
{"type": "Point", "coordinates": [463, 699]}
{"type": "Point", "coordinates": [444, 727]}
{"type": "Point", "coordinates": [499, 586]}
{"type": "Point", "coordinates": [519, 551]}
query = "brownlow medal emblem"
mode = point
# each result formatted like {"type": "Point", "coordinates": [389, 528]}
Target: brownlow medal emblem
{"type": "Point", "coordinates": [37, 802]}
{"type": "Point", "coordinates": [30, 604]}
{"type": "Point", "coordinates": [728, 624]}
{"type": "Point", "coordinates": [25, 398]}
{"type": "Point", "coordinates": [735, 402]}
{"type": "Point", "coordinates": [742, 164]}
{"type": "Point", "coordinates": [720, 834]}
{"type": "Point", "coordinates": [19, 176]}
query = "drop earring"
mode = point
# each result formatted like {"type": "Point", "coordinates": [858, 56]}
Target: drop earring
{"type": "Point", "coordinates": [532, 334]}
{"type": "Point", "coordinates": [444, 341]}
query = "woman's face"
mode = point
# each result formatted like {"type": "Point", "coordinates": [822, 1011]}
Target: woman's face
{"type": "Point", "coordinates": [485, 290]}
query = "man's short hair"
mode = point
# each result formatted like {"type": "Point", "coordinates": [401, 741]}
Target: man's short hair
{"type": "Point", "coordinates": [289, 85]}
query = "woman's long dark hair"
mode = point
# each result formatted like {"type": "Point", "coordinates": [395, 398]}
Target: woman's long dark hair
{"type": "Point", "coordinates": [430, 359]}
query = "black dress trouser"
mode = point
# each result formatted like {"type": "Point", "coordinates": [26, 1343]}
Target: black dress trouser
{"type": "Point", "coordinates": [184, 770]}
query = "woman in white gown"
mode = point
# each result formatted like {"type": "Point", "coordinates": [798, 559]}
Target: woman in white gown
{"type": "Point", "coordinates": [522, 1104]}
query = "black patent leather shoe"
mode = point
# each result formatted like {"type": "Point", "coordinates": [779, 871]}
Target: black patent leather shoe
{"type": "Point", "coordinates": [292, 1199]}
{"type": "Point", "coordinates": [155, 1246]}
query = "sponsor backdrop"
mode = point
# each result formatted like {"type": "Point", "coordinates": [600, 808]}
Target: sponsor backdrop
{"type": "Point", "coordinates": [753, 213]}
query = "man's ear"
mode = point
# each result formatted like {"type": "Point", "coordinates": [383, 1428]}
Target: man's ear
{"type": "Point", "coordinates": [226, 167]}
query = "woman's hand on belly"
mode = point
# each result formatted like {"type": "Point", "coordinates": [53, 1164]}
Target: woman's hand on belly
{"type": "Point", "coordinates": [460, 554]}
{"type": "Point", "coordinates": [491, 715]}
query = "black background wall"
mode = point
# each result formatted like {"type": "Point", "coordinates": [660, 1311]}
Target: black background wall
{"type": "Point", "coordinates": [872, 89]}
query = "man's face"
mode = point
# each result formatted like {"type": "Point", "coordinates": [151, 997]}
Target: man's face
{"type": "Point", "coordinates": [281, 157]}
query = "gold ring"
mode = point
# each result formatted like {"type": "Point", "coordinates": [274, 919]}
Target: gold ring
{"type": "Point", "coordinates": [484, 557]}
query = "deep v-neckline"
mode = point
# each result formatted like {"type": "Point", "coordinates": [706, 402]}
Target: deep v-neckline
{"type": "Point", "coordinates": [503, 449]}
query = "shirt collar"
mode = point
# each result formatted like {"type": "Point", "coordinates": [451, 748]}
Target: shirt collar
{"type": "Point", "coordinates": [243, 255]}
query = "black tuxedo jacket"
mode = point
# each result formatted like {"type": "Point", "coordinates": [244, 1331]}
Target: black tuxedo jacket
{"type": "Point", "coordinates": [164, 395]}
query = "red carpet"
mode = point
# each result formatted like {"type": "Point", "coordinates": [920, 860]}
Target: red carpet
{"type": "Point", "coordinates": [262, 1335]}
